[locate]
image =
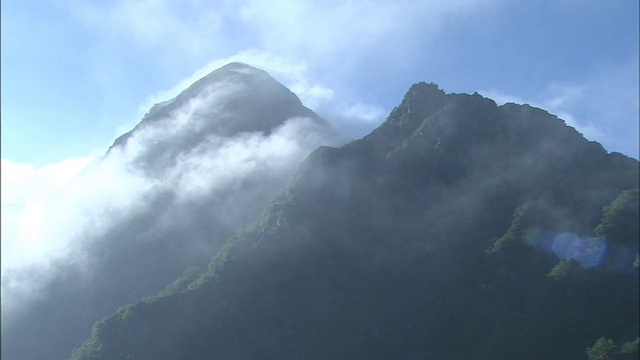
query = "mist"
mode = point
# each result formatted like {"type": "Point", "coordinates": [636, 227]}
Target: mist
{"type": "Point", "coordinates": [442, 223]}
{"type": "Point", "coordinates": [198, 168]}
{"type": "Point", "coordinates": [164, 198]}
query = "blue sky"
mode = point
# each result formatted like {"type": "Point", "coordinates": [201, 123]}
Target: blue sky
{"type": "Point", "coordinates": [77, 74]}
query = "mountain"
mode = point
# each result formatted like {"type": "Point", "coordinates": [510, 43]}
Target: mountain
{"type": "Point", "coordinates": [193, 171]}
{"type": "Point", "coordinates": [458, 229]}
{"type": "Point", "coordinates": [234, 99]}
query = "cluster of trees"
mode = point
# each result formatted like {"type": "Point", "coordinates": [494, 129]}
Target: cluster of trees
{"type": "Point", "coordinates": [606, 349]}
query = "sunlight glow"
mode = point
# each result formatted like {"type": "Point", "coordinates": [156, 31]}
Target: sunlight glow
{"type": "Point", "coordinates": [31, 220]}
{"type": "Point", "coordinates": [588, 251]}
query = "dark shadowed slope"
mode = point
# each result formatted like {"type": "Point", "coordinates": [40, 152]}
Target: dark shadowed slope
{"type": "Point", "coordinates": [194, 170]}
{"type": "Point", "coordinates": [456, 230]}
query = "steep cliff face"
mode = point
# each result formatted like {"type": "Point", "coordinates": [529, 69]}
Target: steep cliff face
{"type": "Point", "coordinates": [193, 171]}
{"type": "Point", "coordinates": [457, 229]}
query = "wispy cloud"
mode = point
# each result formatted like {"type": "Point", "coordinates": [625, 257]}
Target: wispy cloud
{"type": "Point", "coordinates": [599, 107]}
{"type": "Point", "coordinates": [24, 190]}
{"type": "Point", "coordinates": [313, 48]}
{"type": "Point", "coordinates": [62, 211]}
{"type": "Point", "coordinates": [336, 29]}
{"type": "Point", "coordinates": [21, 182]}
{"type": "Point", "coordinates": [189, 26]}
{"type": "Point", "coordinates": [352, 117]}
{"type": "Point", "coordinates": [611, 100]}
{"type": "Point", "coordinates": [559, 100]}
{"type": "Point", "coordinates": [309, 29]}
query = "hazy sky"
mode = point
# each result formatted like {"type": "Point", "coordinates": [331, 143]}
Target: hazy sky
{"type": "Point", "coordinates": [75, 74]}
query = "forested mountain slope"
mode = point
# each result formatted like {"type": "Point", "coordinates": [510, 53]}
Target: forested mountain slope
{"type": "Point", "coordinates": [458, 229]}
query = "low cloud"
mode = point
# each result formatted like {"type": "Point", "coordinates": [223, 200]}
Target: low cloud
{"type": "Point", "coordinates": [21, 182]}
{"type": "Point", "coordinates": [352, 117]}
{"type": "Point", "coordinates": [25, 190]}
{"type": "Point", "coordinates": [61, 213]}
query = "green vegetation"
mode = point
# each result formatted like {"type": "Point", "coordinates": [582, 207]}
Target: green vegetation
{"type": "Point", "coordinates": [366, 255]}
{"type": "Point", "coordinates": [630, 348]}
{"type": "Point", "coordinates": [606, 349]}
{"type": "Point", "coordinates": [564, 270]}
{"type": "Point", "coordinates": [189, 275]}
{"type": "Point", "coordinates": [91, 348]}
{"type": "Point", "coordinates": [620, 219]}
{"type": "Point", "coordinates": [603, 349]}
{"type": "Point", "coordinates": [512, 236]}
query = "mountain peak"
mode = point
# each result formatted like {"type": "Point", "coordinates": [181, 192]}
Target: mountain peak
{"type": "Point", "coordinates": [232, 99]}
{"type": "Point", "coordinates": [242, 67]}
{"type": "Point", "coordinates": [424, 88]}
{"type": "Point", "coordinates": [423, 97]}
{"type": "Point", "coordinates": [193, 171]}
{"type": "Point", "coordinates": [431, 229]}
{"type": "Point", "coordinates": [236, 71]}
{"type": "Point", "coordinates": [456, 221]}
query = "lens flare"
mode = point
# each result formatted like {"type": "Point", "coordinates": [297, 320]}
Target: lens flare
{"type": "Point", "coordinates": [567, 246]}
{"type": "Point", "coordinates": [588, 251]}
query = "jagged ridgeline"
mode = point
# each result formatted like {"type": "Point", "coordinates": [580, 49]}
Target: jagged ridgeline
{"type": "Point", "coordinates": [457, 229]}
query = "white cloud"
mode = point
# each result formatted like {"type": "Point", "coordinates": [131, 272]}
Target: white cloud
{"type": "Point", "coordinates": [309, 38]}
{"type": "Point", "coordinates": [558, 99]}
{"type": "Point", "coordinates": [310, 47]}
{"type": "Point", "coordinates": [31, 205]}
{"type": "Point", "coordinates": [562, 95]}
{"type": "Point", "coordinates": [333, 30]}
{"type": "Point", "coordinates": [364, 112]}
{"type": "Point", "coordinates": [51, 204]}
{"type": "Point", "coordinates": [40, 207]}
{"type": "Point", "coordinates": [611, 102]}
{"type": "Point", "coordinates": [222, 163]}
{"type": "Point", "coordinates": [555, 98]}
{"type": "Point", "coordinates": [347, 114]}
{"type": "Point", "coordinates": [288, 70]}
{"type": "Point", "coordinates": [52, 211]}
{"type": "Point", "coordinates": [189, 25]}
{"type": "Point", "coordinates": [502, 98]}
{"type": "Point", "coordinates": [23, 182]}
{"type": "Point", "coordinates": [602, 107]}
